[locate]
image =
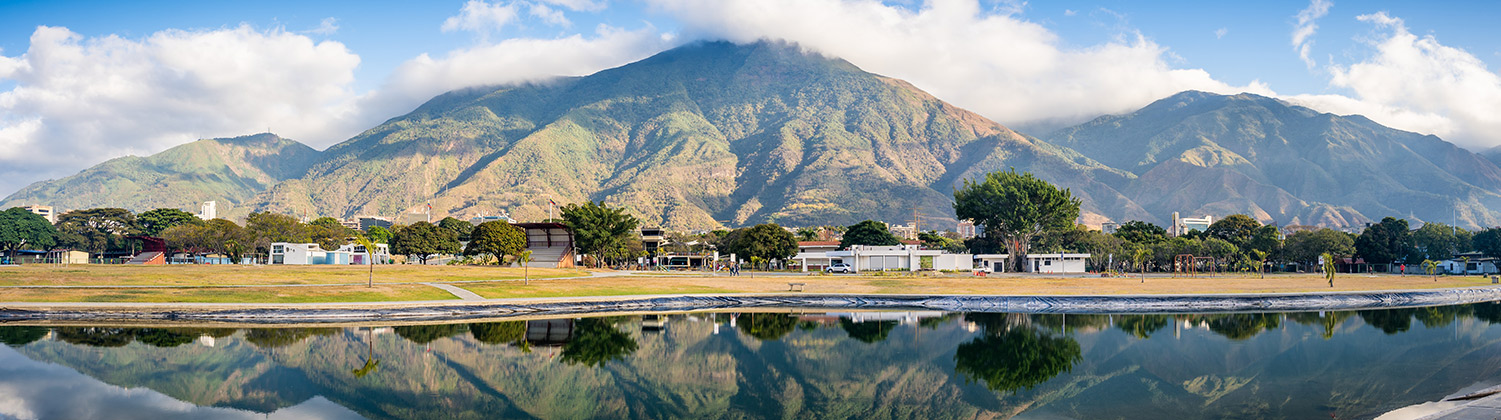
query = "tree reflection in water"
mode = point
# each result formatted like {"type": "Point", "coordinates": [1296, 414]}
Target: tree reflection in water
{"type": "Point", "coordinates": [767, 327]}
{"type": "Point", "coordinates": [1329, 321]}
{"type": "Point", "coordinates": [596, 341]}
{"type": "Point", "coordinates": [423, 334]}
{"type": "Point", "coordinates": [868, 331]}
{"type": "Point", "coordinates": [267, 338]}
{"type": "Point", "coordinates": [20, 336]}
{"type": "Point", "coordinates": [508, 332]}
{"type": "Point", "coordinates": [1142, 326]}
{"type": "Point", "coordinates": [1242, 326]}
{"type": "Point", "coordinates": [1017, 357]}
{"type": "Point", "coordinates": [1389, 321]}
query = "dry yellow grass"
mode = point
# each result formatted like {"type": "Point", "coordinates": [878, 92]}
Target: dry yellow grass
{"type": "Point", "coordinates": [219, 275]}
{"type": "Point", "coordinates": [310, 294]}
{"type": "Point", "coordinates": [197, 284]}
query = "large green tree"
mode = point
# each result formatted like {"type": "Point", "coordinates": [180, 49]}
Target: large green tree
{"type": "Point", "coordinates": [1139, 232]}
{"type": "Point", "coordinates": [1016, 358]}
{"type": "Point", "coordinates": [1305, 247]}
{"type": "Point", "coordinates": [497, 239]}
{"type": "Point", "coordinates": [599, 230]}
{"type": "Point", "coordinates": [459, 227]}
{"type": "Point", "coordinates": [1488, 242]}
{"type": "Point", "coordinates": [22, 229]}
{"type": "Point", "coordinates": [1015, 208]}
{"type": "Point", "coordinates": [596, 341]}
{"type": "Point", "coordinates": [868, 232]}
{"type": "Point", "coordinates": [268, 227]}
{"type": "Point", "coordinates": [1245, 233]}
{"type": "Point", "coordinates": [96, 230]}
{"type": "Point", "coordinates": [153, 222]}
{"type": "Point", "coordinates": [421, 240]}
{"type": "Point", "coordinates": [379, 234]}
{"type": "Point", "coordinates": [329, 233]}
{"type": "Point", "coordinates": [1385, 242]}
{"type": "Point", "coordinates": [1438, 241]}
{"type": "Point", "coordinates": [765, 241]}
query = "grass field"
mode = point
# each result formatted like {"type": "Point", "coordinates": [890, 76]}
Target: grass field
{"type": "Point", "coordinates": [220, 275]}
{"type": "Point", "coordinates": [197, 284]}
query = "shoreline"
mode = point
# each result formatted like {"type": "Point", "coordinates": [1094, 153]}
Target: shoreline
{"type": "Point", "coordinates": [450, 310]}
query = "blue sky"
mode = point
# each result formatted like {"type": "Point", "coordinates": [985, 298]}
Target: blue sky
{"type": "Point", "coordinates": [98, 79]}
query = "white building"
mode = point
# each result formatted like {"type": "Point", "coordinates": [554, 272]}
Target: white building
{"type": "Point", "coordinates": [312, 254]}
{"type": "Point", "coordinates": [209, 210]}
{"type": "Point", "coordinates": [44, 211]}
{"type": "Point", "coordinates": [899, 257]}
{"type": "Point", "coordinates": [357, 253]}
{"type": "Point", "coordinates": [1060, 263]}
{"type": "Point", "coordinates": [1183, 225]}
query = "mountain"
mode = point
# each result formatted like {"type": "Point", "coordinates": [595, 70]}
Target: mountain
{"type": "Point", "coordinates": [1202, 153]}
{"type": "Point", "coordinates": [230, 171]}
{"type": "Point", "coordinates": [697, 137]}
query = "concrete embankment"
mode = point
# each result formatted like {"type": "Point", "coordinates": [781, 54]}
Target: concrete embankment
{"type": "Point", "coordinates": [504, 308]}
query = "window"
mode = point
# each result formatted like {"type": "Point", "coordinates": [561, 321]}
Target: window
{"type": "Point", "coordinates": [1047, 262]}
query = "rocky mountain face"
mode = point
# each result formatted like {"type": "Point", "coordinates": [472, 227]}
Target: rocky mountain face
{"type": "Point", "coordinates": [231, 171]}
{"type": "Point", "coordinates": [701, 136]}
{"type": "Point", "coordinates": [1201, 153]}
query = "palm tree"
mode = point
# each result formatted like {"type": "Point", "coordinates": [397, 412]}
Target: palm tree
{"type": "Point", "coordinates": [1432, 267]}
{"type": "Point", "coordinates": [1329, 268]}
{"type": "Point", "coordinates": [1140, 256]}
{"type": "Point", "coordinates": [1261, 262]}
{"type": "Point", "coordinates": [524, 257]}
{"type": "Point", "coordinates": [369, 258]}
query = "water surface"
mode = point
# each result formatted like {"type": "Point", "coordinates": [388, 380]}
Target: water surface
{"type": "Point", "coordinates": [1355, 364]}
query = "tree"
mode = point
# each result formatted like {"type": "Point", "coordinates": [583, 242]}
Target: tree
{"type": "Point", "coordinates": [227, 238]}
{"type": "Point", "coordinates": [1329, 268]}
{"type": "Point", "coordinates": [497, 239]}
{"type": "Point", "coordinates": [1385, 242]}
{"type": "Point", "coordinates": [460, 227]}
{"type": "Point", "coordinates": [421, 240]}
{"type": "Point", "coordinates": [596, 342]}
{"type": "Point", "coordinates": [868, 331]}
{"type": "Point", "coordinates": [1017, 358]}
{"type": "Point", "coordinates": [765, 241]}
{"type": "Point", "coordinates": [369, 258]}
{"type": "Point", "coordinates": [1438, 241]}
{"type": "Point", "coordinates": [1488, 242]}
{"type": "Point", "coordinates": [1260, 257]}
{"type": "Point", "coordinates": [1305, 247]}
{"type": "Point", "coordinates": [807, 234]}
{"type": "Point", "coordinates": [868, 232]}
{"type": "Point", "coordinates": [20, 229]}
{"type": "Point", "coordinates": [328, 233]}
{"type": "Point", "coordinates": [1139, 232]}
{"type": "Point", "coordinates": [155, 221]}
{"type": "Point", "coordinates": [1015, 208]}
{"type": "Point", "coordinates": [379, 234]}
{"type": "Point", "coordinates": [523, 258]}
{"type": "Point", "coordinates": [1140, 256]}
{"type": "Point", "coordinates": [598, 229]}
{"type": "Point", "coordinates": [267, 227]}
{"type": "Point", "coordinates": [1431, 267]}
{"type": "Point", "coordinates": [96, 230]}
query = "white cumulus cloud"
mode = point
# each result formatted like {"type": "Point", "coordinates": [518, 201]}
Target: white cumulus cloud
{"type": "Point", "coordinates": [1416, 83]}
{"type": "Point", "coordinates": [75, 101]}
{"type": "Point", "coordinates": [1011, 70]}
{"type": "Point", "coordinates": [480, 16]}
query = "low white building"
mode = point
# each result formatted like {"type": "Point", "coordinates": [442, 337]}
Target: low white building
{"type": "Point", "coordinates": [884, 258]}
{"type": "Point", "coordinates": [312, 254]}
{"type": "Point", "coordinates": [1060, 263]}
{"type": "Point", "coordinates": [357, 255]}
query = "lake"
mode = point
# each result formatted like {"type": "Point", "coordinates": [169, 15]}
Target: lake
{"type": "Point", "coordinates": [1356, 364]}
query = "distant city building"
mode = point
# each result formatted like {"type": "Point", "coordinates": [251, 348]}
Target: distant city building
{"type": "Point", "coordinates": [44, 211]}
{"type": "Point", "coordinates": [209, 210]}
{"type": "Point", "coordinates": [966, 229]}
{"type": "Point", "coordinates": [1183, 225]}
{"type": "Point", "coordinates": [366, 222]}
{"type": "Point", "coordinates": [482, 218]}
{"type": "Point", "coordinates": [903, 231]}
{"type": "Point", "coordinates": [1109, 227]}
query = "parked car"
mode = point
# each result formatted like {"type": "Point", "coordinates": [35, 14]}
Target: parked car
{"type": "Point", "coordinates": [839, 268]}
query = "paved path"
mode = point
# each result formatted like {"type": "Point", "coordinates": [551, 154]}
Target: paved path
{"type": "Point", "coordinates": [461, 293]}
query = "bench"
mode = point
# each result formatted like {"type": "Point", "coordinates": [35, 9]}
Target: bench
{"type": "Point", "coordinates": [795, 287]}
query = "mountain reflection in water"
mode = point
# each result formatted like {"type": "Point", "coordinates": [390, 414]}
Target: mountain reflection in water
{"type": "Point", "coordinates": [759, 365]}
